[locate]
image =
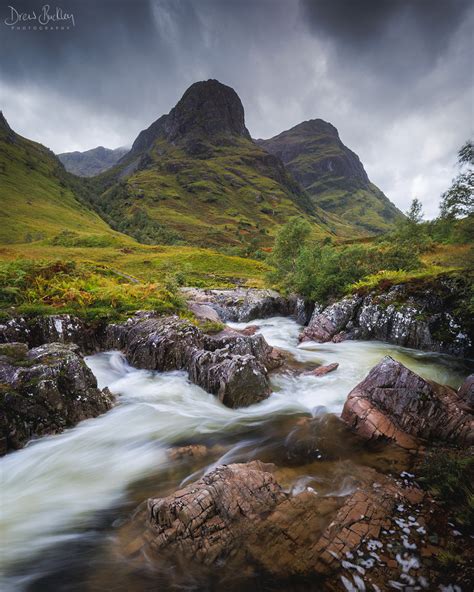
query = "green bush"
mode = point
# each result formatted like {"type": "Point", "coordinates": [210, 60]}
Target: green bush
{"type": "Point", "coordinates": [322, 271]}
{"type": "Point", "coordinates": [88, 290]}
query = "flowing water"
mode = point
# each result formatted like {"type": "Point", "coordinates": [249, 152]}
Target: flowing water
{"type": "Point", "coordinates": [63, 497]}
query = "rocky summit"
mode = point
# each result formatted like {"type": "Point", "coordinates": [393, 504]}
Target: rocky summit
{"type": "Point", "coordinates": [207, 110]}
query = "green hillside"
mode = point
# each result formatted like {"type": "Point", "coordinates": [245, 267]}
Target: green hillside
{"type": "Point", "coordinates": [36, 201]}
{"type": "Point", "coordinates": [196, 176]}
{"type": "Point", "coordinates": [333, 175]}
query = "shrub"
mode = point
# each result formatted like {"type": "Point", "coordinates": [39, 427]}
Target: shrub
{"type": "Point", "coordinates": [449, 476]}
{"type": "Point", "coordinates": [88, 290]}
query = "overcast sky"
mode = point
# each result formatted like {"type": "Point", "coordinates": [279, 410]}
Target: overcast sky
{"type": "Point", "coordinates": [394, 76]}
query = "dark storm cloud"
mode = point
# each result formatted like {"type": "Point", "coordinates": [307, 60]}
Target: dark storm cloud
{"type": "Point", "coordinates": [393, 75]}
{"type": "Point", "coordinates": [363, 25]}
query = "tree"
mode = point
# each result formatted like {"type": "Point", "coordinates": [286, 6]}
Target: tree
{"type": "Point", "coordinates": [410, 231]}
{"type": "Point", "coordinates": [458, 200]}
{"type": "Point", "coordinates": [289, 242]}
{"type": "Point", "coordinates": [415, 213]}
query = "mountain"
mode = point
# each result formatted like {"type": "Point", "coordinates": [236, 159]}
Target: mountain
{"type": "Point", "coordinates": [332, 175]}
{"type": "Point", "coordinates": [36, 199]}
{"type": "Point", "coordinates": [196, 175]}
{"type": "Point", "coordinates": [91, 162]}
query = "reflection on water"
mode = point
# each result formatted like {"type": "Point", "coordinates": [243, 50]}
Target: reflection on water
{"type": "Point", "coordinates": [54, 490]}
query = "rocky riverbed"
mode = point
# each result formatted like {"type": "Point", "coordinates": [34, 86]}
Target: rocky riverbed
{"type": "Point", "coordinates": [223, 460]}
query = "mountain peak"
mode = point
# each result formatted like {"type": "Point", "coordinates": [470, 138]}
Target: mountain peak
{"type": "Point", "coordinates": [316, 126]}
{"type": "Point", "coordinates": [207, 110]}
{"type": "Point", "coordinates": [4, 123]}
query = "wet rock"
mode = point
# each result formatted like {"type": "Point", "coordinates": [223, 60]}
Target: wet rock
{"type": "Point", "coordinates": [189, 452]}
{"type": "Point", "coordinates": [229, 365]}
{"type": "Point", "coordinates": [250, 330]}
{"type": "Point", "coordinates": [327, 323]}
{"type": "Point", "coordinates": [238, 518]}
{"type": "Point", "coordinates": [301, 309]}
{"type": "Point", "coordinates": [466, 393]}
{"type": "Point", "coordinates": [62, 328]}
{"type": "Point", "coordinates": [237, 380]}
{"type": "Point", "coordinates": [208, 520]}
{"type": "Point", "coordinates": [323, 370]}
{"type": "Point", "coordinates": [324, 437]}
{"type": "Point", "coordinates": [394, 403]}
{"type": "Point", "coordinates": [425, 317]}
{"type": "Point", "coordinates": [241, 304]}
{"type": "Point", "coordinates": [155, 343]}
{"type": "Point", "coordinates": [236, 342]}
{"type": "Point", "coordinates": [44, 391]}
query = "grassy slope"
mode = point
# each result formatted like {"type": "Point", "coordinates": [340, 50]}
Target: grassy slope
{"type": "Point", "coordinates": [34, 200]}
{"type": "Point", "coordinates": [227, 199]}
{"type": "Point", "coordinates": [150, 263]}
{"type": "Point", "coordinates": [46, 229]}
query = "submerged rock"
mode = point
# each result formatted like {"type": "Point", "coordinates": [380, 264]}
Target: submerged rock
{"type": "Point", "coordinates": [232, 366]}
{"type": "Point", "coordinates": [394, 403]}
{"type": "Point", "coordinates": [411, 315]}
{"type": "Point", "coordinates": [44, 391]}
{"type": "Point", "coordinates": [323, 370]}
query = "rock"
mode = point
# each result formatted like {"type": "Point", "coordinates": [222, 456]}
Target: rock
{"type": "Point", "coordinates": [300, 309]}
{"type": "Point", "coordinates": [208, 520]}
{"type": "Point", "coordinates": [44, 391]}
{"type": "Point", "coordinates": [420, 315]}
{"type": "Point", "coordinates": [324, 437]}
{"type": "Point", "coordinates": [191, 451]}
{"type": "Point", "coordinates": [229, 365]}
{"type": "Point", "coordinates": [466, 393]}
{"type": "Point", "coordinates": [238, 520]}
{"type": "Point", "coordinates": [394, 403]}
{"type": "Point", "coordinates": [327, 323]}
{"type": "Point", "coordinates": [239, 305]}
{"type": "Point", "coordinates": [236, 342]}
{"type": "Point", "coordinates": [250, 330]}
{"type": "Point", "coordinates": [323, 370]}
{"type": "Point", "coordinates": [62, 328]}
{"type": "Point", "coordinates": [237, 380]}
{"type": "Point", "coordinates": [204, 312]}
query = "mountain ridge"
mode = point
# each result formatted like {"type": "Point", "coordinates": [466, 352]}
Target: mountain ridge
{"type": "Point", "coordinates": [94, 161]}
{"type": "Point", "coordinates": [196, 175]}
{"type": "Point", "coordinates": [332, 174]}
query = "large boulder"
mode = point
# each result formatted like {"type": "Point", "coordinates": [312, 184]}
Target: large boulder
{"type": "Point", "coordinates": [208, 520]}
{"type": "Point", "coordinates": [241, 304]}
{"type": "Point", "coordinates": [325, 324]}
{"type": "Point", "coordinates": [44, 391]}
{"type": "Point", "coordinates": [237, 521]}
{"type": "Point", "coordinates": [394, 403]}
{"type": "Point", "coordinates": [232, 366]}
{"type": "Point", "coordinates": [430, 317]}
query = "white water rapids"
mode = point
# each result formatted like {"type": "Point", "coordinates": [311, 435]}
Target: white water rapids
{"type": "Point", "coordinates": [51, 489]}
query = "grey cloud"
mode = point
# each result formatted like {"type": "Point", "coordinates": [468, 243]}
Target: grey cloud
{"type": "Point", "coordinates": [393, 76]}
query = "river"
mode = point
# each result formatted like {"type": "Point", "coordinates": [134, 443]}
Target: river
{"type": "Point", "coordinates": [64, 496]}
